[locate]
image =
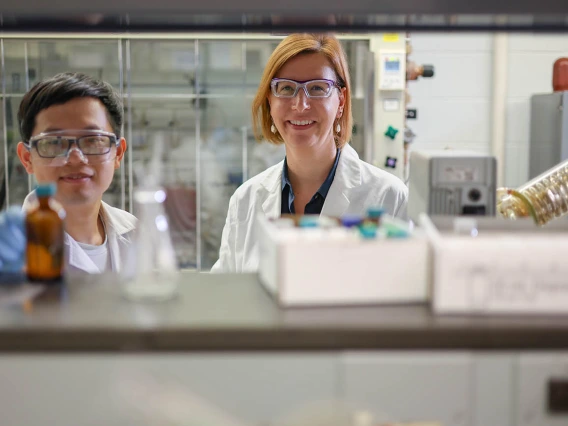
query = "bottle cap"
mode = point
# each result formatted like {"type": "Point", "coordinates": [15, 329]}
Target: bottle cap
{"type": "Point", "coordinates": [375, 212]}
{"type": "Point", "coordinates": [393, 231]}
{"type": "Point", "coordinates": [46, 189]}
{"type": "Point", "coordinates": [308, 221]}
{"type": "Point", "coordinates": [368, 231]}
{"type": "Point", "coordinates": [350, 221]}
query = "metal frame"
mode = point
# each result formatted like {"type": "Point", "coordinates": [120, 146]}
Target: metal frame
{"type": "Point", "coordinates": [290, 7]}
{"type": "Point", "coordinates": [4, 130]}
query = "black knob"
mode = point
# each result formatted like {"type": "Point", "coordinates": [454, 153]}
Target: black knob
{"type": "Point", "coordinates": [474, 195]}
{"type": "Point", "coordinates": [428, 71]}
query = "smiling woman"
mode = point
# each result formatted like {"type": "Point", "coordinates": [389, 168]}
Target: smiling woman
{"type": "Point", "coordinates": [304, 102]}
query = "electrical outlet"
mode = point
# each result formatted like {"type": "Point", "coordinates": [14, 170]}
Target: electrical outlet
{"type": "Point", "coordinates": [558, 396]}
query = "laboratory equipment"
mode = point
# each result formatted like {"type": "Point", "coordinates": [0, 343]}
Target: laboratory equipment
{"type": "Point", "coordinates": [350, 221]}
{"type": "Point", "coordinates": [548, 131]}
{"type": "Point", "coordinates": [414, 71]}
{"type": "Point", "coordinates": [543, 198]}
{"type": "Point", "coordinates": [490, 265]}
{"type": "Point", "coordinates": [451, 182]}
{"type": "Point", "coordinates": [374, 215]}
{"type": "Point", "coordinates": [392, 70]}
{"type": "Point", "coordinates": [151, 264]}
{"type": "Point", "coordinates": [341, 265]}
{"type": "Point", "coordinates": [388, 109]}
{"type": "Point", "coordinates": [560, 75]}
{"type": "Point", "coordinates": [45, 238]}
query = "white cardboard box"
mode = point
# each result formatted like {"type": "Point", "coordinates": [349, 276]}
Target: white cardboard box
{"type": "Point", "coordinates": [505, 267]}
{"type": "Point", "coordinates": [302, 271]}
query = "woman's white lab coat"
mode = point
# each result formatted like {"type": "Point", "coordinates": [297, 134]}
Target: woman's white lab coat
{"type": "Point", "coordinates": [356, 187]}
{"type": "Point", "coordinates": [119, 226]}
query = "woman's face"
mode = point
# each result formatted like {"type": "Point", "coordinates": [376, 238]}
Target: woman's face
{"type": "Point", "coordinates": [304, 121]}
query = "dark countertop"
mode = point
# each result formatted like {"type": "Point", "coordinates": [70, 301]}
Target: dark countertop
{"type": "Point", "coordinates": [234, 313]}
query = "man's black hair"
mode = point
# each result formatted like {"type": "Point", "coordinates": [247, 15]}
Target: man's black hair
{"type": "Point", "coordinates": [60, 89]}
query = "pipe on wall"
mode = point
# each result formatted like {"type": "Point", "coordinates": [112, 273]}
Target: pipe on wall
{"type": "Point", "coordinates": [499, 103]}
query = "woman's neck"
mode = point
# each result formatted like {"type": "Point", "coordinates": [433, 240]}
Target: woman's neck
{"type": "Point", "coordinates": [309, 167]}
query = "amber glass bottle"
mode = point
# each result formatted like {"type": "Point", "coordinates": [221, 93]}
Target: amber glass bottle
{"type": "Point", "coordinates": [45, 233]}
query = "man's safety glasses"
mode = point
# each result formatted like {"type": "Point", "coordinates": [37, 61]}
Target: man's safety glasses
{"type": "Point", "coordinates": [93, 146]}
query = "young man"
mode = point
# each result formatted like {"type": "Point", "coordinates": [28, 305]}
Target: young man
{"type": "Point", "coordinates": [71, 135]}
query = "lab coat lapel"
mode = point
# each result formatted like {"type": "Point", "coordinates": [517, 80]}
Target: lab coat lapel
{"type": "Point", "coordinates": [271, 184]}
{"type": "Point", "coordinates": [78, 259]}
{"type": "Point", "coordinates": [347, 177]}
{"type": "Point", "coordinates": [112, 239]}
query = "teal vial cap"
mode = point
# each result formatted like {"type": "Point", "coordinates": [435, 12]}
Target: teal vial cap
{"type": "Point", "coordinates": [368, 231]}
{"type": "Point", "coordinates": [375, 212]}
{"type": "Point", "coordinates": [308, 221]}
{"type": "Point", "coordinates": [46, 189]}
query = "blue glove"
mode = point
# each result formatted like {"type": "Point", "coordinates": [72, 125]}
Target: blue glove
{"type": "Point", "coordinates": [12, 243]}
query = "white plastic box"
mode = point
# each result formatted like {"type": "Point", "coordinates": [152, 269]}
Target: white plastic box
{"type": "Point", "coordinates": [493, 265]}
{"type": "Point", "coordinates": [314, 268]}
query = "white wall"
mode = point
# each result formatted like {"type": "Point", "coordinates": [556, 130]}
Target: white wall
{"type": "Point", "coordinates": [454, 107]}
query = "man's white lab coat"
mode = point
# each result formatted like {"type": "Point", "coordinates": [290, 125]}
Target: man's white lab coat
{"type": "Point", "coordinates": [119, 226]}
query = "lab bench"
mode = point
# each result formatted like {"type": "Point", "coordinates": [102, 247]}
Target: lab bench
{"type": "Point", "coordinates": [93, 357]}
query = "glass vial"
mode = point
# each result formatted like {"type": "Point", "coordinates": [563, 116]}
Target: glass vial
{"type": "Point", "coordinates": [45, 239]}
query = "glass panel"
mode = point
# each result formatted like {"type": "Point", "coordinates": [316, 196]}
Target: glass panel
{"type": "Point", "coordinates": [221, 69]}
{"type": "Point", "coordinates": [3, 185]}
{"type": "Point", "coordinates": [15, 66]}
{"type": "Point", "coordinates": [172, 123]}
{"type": "Point", "coordinates": [163, 68]}
{"type": "Point", "coordinates": [17, 175]}
{"type": "Point", "coordinates": [223, 113]}
{"type": "Point", "coordinates": [257, 53]}
{"type": "Point", "coordinates": [164, 110]}
{"type": "Point", "coordinates": [16, 86]}
{"type": "Point", "coordinates": [98, 58]}
{"type": "Point", "coordinates": [43, 59]}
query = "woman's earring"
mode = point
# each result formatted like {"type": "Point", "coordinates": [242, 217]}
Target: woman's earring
{"type": "Point", "coordinates": [338, 128]}
{"type": "Point", "coordinates": [273, 128]}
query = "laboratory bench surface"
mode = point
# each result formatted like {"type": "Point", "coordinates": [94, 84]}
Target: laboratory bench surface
{"type": "Point", "coordinates": [233, 312]}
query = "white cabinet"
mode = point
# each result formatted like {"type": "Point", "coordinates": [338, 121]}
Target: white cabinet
{"type": "Point", "coordinates": [259, 389]}
{"type": "Point", "coordinates": [160, 389]}
{"type": "Point", "coordinates": [531, 402]}
{"type": "Point", "coordinates": [493, 380]}
{"type": "Point", "coordinates": [411, 386]}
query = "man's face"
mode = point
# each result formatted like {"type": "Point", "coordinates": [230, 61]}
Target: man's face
{"type": "Point", "coordinates": [77, 182]}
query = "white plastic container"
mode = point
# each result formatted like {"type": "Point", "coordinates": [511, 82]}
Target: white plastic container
{"type": "Point", "coordinates": [331, 267]}
{"type": "Point", "coordinates": [498, 266]}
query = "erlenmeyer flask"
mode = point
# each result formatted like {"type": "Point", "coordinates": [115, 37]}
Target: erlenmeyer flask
{"type": "Point", "coordinates": [151, 269]}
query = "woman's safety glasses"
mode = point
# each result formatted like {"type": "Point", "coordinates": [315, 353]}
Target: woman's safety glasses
{"type": "Point", "coordinates": [283, 88]}
{"type": "Point", "coordinates": [92, 146]}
